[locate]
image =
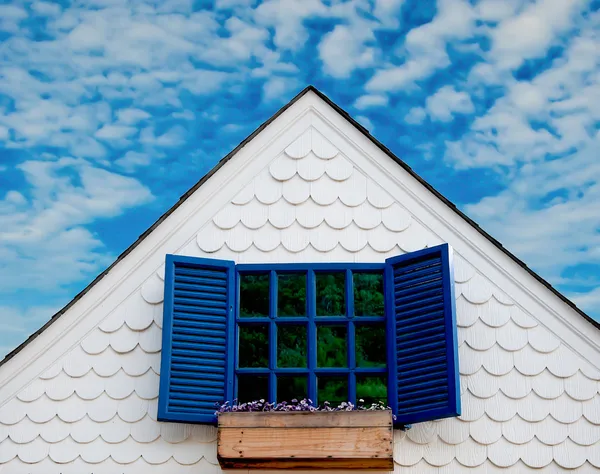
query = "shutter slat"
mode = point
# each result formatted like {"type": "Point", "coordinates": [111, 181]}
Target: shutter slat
{"type": "Point", "coordinates": [197, 339]}
{"type": "Point", "coordinates": [421, 330]}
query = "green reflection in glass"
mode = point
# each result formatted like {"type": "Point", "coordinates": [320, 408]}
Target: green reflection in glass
{"type": "Point", "coordinates": [291, 345]}
{"type": "Point", "coordinates": [332, 389]}
{"type": "Point", "coordinates": [368, 294]}
{"type": "Point", "coordinates": [254, 295]}
{"type": "Point", "coordinates": [252, 387]}
{"type": "Point", "coordinates": [331, 346]}
{"type": "Point", "coordinates": [291, 294]}
{"type": "Point", "coordinates": [254, 346]}
{"type": "Point", "coordinates": [331, 298]}
{"type": "Point", "coordinates": [370, 345]}
{"type": "Point", "coordinates": [289, 388]}
{"type": "Point", "coordinates": [371, 389]}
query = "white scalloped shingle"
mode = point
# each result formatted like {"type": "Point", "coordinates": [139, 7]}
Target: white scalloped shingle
{"type": "Point", "coordinates": [570, 455]}
{"type": "Point", "coordinates": [353, 191]}
{"type": "Point", "coordinates": [485, 430]}
{"type": "Point", "coordinates": [254, 215]}
{"type": "Point", "coordinates": [139, 315]}
{"type": "Point", "coordinates": [311, 167]}
{"type": "Point", "coordinates": [296, 190]}
{"type": "Point", "coordinates": [422, 433]}
{"type": "Point", "coordinates": [268, 190]}
{"type": "Point", "coordinates": [34, 451]}
{"type": "Point", "coordinates": [353, 238]}
{"type": "Point", "coordinates": [339, 168]}
{"type": "Point", "coordinates": [528, 361]}
{"type": "Point", "coordinates": [511, 337]}
{"type": "Point", "coordinates": [229, 216]}
{"type": "Point", "coordinates": [239, 239]}
{"type": "Point", "coordinates": [536, 454]}
{"type": "Point", "coordinates": [124, 340]}
{"type": "Point", "coordinates": [542, 340]}
{"type": "Point", "coordinates": [480, 336]}
{"type": "Point", "coordinates": [515, 384]}
{"type": "Point", "coordinates": [336, 215]}
{"type": "Point", "coordinates": [396, 218]}
{"type": "Point", "coordinates": [145, 430]}
{"type": "Point", "coordinates": [551, 432]}
{"type": "Point", "coordinates": [463, 270]}
{"type": "Point", "coordinates": [483, 384]}
{"type": "Point", "coordinates": [583, 432]}
{"type": "Point", "coordinates": [503, 453]}
{"type": "Point", "coordinates": [378, 196]}
{"type": "Point", "coordinates": [467, 313]}
{"type": "Point", "coordinates": [518, 431]}
{"type": "Point", "coordinates": [282, 214]}
{"type": "Point", "coordinates": [266, 239]}
{"type": "Point", "coordinates": [580, 387]}
{"type": "Point", "coordinates": [366, 216]}
{"type": "Point", "coordinates": [326, 191]}
{"type": "Point", "coordinates": [452, 430]}
{"type": "Point", "coordinates": [153, 290]}
{"type": "Point", "coordinates": [283, 168]}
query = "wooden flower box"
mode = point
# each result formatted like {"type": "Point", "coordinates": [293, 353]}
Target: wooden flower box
{"type": "Point", "coordinates": [306, 440]}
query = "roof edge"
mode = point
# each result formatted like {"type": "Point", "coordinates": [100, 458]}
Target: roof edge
{"type": "Point", "coordinates": [226, 158]}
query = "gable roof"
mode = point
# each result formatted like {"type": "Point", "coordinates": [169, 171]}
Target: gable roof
{"type": "Point", "coordinates": [226, 158]}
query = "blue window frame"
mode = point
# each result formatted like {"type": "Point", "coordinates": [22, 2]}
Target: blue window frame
{"type": "Point", "coordinates": [326, 331]}
{"type": "Point", "coordinates": [310, 333]}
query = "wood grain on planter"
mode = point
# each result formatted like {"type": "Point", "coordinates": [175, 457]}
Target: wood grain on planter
{"type": "Point", "coordinates": [305, 440]}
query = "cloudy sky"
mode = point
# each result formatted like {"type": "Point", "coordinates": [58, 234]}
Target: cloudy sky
{"type": "Point", "coordinates": [111, 109]}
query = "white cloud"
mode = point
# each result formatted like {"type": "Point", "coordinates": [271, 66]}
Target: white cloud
{"type": "Point", "coordinates": [134, 159]}
{"type": "Point", "coordinates": [287, 18]}
{"type": "Point", "coordinates": [343, 50]}
{"type": "Point", "coordinates": [365, 122]}
{"type": "Point", "coordinates": [10, 17]}
{"type": "Point", "coordinates": [48, 230]}
{"type": "Point", "coordinates": [530, 33]}
{"type": "Point", "coordinates": [588, 301]}
{"type": "Point", "coordinates": [447, 102]}
{"type": "Point", "coordinates": [46, 8]}
{"type": "Point", "coordinates": [174, 137]}
{"type": "Point", "coordinates": [17, 324]}
{"type": "Point", "coordinates": [425, 47]}
{"type": "Point", "coordinates": [371, 100]}
{"type": "Point", "coordinates": [115, 132]}
{"type": "Point", "coordinates": [388, 12]}
{"type": "Point", "coordinates": [277, 87]}
{"type": "Point", "coordinates": [132, 116]}
{"type": "Point", "coordinates": [415, 116]}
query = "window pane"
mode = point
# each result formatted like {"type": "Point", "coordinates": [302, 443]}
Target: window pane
{"type": "Point", "coordinates": [331, 294]}
{"type": "Point", "coordinates": [291, 346]}
{"type": "Point", "coordinates": [332, 389]}
{"type": "Point", "coordinates": [370, 345]}
{"type": "Point", "coordinates": [371, 389]}
{"type": "Point", "coordinates": [291, 294]}
{"type": "Point", "coordinates": [368, 294]}
{"type": "Point", "coordinates": [254, 346]}
{"type": "Point", "coordinates": [289, 388]}
{"type": "Point", "coordinates": [254, 295]}
{"type": "Point", "coordinates": [331, 346]}
{"type": "Point", "coordinates": [252, 387]}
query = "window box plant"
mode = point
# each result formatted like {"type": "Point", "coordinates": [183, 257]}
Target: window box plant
{"type": "Point", "coordinates": [297, 435]}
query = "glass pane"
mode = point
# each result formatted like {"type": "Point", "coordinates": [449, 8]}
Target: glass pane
{"type": "Point", "coordinates": [370, 345]}
{"type": "Point", "coordinates": [291, 346]}
{"type": "Point", "coordinates": [331, 294]}
{"type": "Point", "coordinates": [252, 387]}
{"type": "Point", "coordinates": [254, 346]}
{"type": "Point", "coordinates": [289, 388]}
{"type": "Point", "coordinates": [371, 389]}
{"type": "Point", "coordinates": [331, 346]}
{"type": "Point", "coordinates": [368, 294]}
{"type": "Point", "coordinates": [254, 295]}
{"type": "Point", "coordinates": [291, 294]}
{"type": "Point", "coordinates": [332, 389]}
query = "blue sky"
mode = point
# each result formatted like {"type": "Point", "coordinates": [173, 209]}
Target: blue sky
{"type": "Point", "coordinates": [110, 110]}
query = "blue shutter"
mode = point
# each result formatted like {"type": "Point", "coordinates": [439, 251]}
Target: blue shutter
{"type": "Point", "coordinates": [421, 331]}
{"type": "Point", "coordinates": [197, 344]}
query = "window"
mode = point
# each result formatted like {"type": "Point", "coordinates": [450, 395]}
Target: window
{"type": "Point", "coordinates": [326, 331]}
{"type": "Point", "coordinates": [315, 331]}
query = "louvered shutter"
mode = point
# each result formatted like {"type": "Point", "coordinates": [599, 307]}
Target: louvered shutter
{"type": "Point", "coordinates": [197, 347]}
{"type": "Point", "coordinates": [421, 330]}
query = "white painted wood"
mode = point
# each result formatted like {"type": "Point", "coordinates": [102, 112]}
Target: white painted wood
{"type": "Point", "coordinates": [308, 188]}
